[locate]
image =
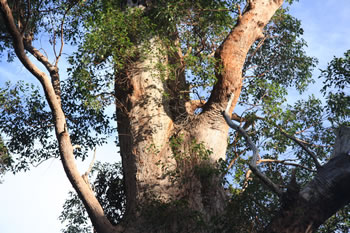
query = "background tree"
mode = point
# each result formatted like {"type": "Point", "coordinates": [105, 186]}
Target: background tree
{"type": "Point", "coordinates": [171, 67]}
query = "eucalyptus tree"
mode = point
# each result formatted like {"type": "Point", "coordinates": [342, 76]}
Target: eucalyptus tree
{"type": "Point", "coordinates": [171, 67]}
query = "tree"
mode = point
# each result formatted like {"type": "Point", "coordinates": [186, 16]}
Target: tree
{"type": "Point", "coordinates": [159, 55]}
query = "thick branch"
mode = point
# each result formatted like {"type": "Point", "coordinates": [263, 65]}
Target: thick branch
{"type": "Point", "coordinates": [321, 198]}
{"type": "Point", "coordinates": [232, 53]}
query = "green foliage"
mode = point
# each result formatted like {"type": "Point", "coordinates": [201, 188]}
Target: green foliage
{"type": "Point", "coordinates": [177, 214]}
{"type": "Point", "coordinates": [109, 188]}
{"type": "Point", "coordinates": [5, 159]}
{"type": "Point", "coordinates": [336, 87]}
{"type": "Point", "coordinates": [191, 160]}
{"type": "Point", "coordinates": [115, 35]}
{"type": "Point", "coordinates": [74, 215]}
{"type": "Point", "coordinates": [107, 183]}
{"type": "Point", "coordinates": [38, 16]}
{"type": "Point", "coordinates": [110, 36]}
{"type": "Point", "coordinates": [26, 120]}
{"type": "Point", "coordinates": [248, 211]}
{"type": "Point", "coordinates": [279, 59]}
{"type": "Point", "coordinates": [338, 222]}
{"type": "Point", "coordinates": [311, 121]}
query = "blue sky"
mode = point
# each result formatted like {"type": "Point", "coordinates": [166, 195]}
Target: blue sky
{"type": "Point", "coordinates": [31, 202]}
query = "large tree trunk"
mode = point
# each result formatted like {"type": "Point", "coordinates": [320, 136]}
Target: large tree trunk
{"type": "Point", "coordinates": [147, 122]}
{"type": "Point", "coordinates": [158, 136]}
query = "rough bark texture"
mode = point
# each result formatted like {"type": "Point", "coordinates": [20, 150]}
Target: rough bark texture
{"type": "Point", "coordinates": [144, 127]}
{"type": "Point", "coordinates": [147, 121]}
{"type": "Point", "coordinates": [322, 197]}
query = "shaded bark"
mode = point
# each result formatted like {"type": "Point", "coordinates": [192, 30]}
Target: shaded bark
{"type": "Point", "coordinates": [305, 210]}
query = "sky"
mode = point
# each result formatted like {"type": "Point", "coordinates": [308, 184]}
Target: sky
{"type": "Point", "coordinates": [31, 202]}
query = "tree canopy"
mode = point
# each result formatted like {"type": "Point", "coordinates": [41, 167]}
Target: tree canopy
{"type": "Point", "coordinates": [107, 38]}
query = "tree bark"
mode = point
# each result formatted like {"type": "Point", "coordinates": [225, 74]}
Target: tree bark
{"type": "Point", "coordinates": [147, 122]}
{"type": "Point", "coordinates": [323, 196]}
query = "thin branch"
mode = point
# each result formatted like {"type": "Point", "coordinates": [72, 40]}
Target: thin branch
{"type": "Point", "coordinates": [285, 162]}
{"type": "Point", "coordinates": [42, 161]}
{"type": "Point", "coordinates": [302, 145]}
{"type": "Point", "coordinates": [62, 39]}
{"type": "Point", "coordinates": [54, 37]}
{"type": "Point", "coordinates": [91, 163]}
{"type": "Point", "coordinates": [39, 56]}
{"type": "Point", "coordinates": [234, 159]}
{"type": "Point", "coordinates": [261, 42]}
{"type": "Point", "coordinates": [254, 160]}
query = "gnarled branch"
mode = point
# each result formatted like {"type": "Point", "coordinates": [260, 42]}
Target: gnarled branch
{"type": "Point", "coordinates": [251, 144]}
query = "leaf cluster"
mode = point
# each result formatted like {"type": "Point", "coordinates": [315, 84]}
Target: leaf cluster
{"type": "Point", "coordinates": [336, 88]}
{"type": "Point", "coordinates": [5, 159]}
{"type": "Point", "coordinates": [107, 183]}
{"type": "Point", "coordinates": [26, 120]}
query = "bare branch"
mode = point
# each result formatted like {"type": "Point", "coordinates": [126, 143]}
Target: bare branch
{"type": "Point", "coordinates": [285, 162]}
{"type": "Point", "coordinates": [302, 145]}
{"type": "Point", "coordinates": [254, 160]}
{"type": "Point", "coordinates": [91, 163]}
{"type": "Point", "coordinates": [62, 39]}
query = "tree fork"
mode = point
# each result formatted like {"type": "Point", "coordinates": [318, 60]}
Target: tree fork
{"type": "Point", "coordinates": [139, 93]}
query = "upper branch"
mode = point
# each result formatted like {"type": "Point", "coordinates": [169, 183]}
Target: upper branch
{"type": "Point", "coordinates": [232, 53]}
{"type": "Point", "coordinates": [19, 47]}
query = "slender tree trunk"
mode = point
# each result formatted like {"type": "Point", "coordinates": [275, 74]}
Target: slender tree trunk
{"type": "Point", "coordinates": [51, 87]}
